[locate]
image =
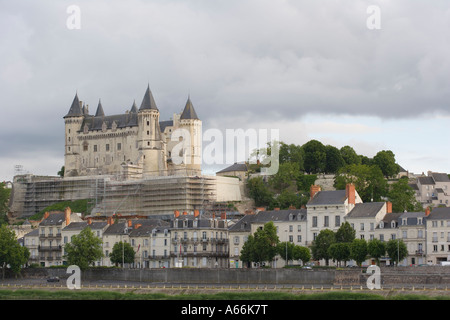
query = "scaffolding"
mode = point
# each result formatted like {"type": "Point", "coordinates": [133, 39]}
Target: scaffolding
{"type": "Point", "coordinates": [109, 195]}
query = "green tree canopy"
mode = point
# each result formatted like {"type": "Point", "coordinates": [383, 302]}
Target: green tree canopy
{"type": "Point", "coordinates": [84, 249]}
{"type": "Point", "coordinates": [403, 197]}
{"type": "Point", "coordinates": [358, 250]}
{"type": "Point", "coordinates": [345, 233]}
{"type": "Point", "coordinates": [385, 160]}
{"type": "Point", "coordinates": [349, 155]}
{"type": "Point", "coordinates": [122, 252]}
{"type": "Point", "coordinates": [261, 246]}
{"type": "Point", "coordinates": [12, 254]}
{"type": "Point", "coordinates": [376, 249]}
{"type": "Point", "coordinates": [368, 180]}
{"type": "Point", "coordinates": [285, 177]}
{"type": "Point", "coordinates": [396, 250]}
{"type": "Point", "coordinates": [334, 160]}
{"type": "Point", "coordinates": [339, 251]}
{"type": "Point", "coordinates": [4, 199]}
{"type": "Point", "coordinates": [259, 191]}
{"type": "Point", "coordinates": [315, 156]}
{"type": "Point", "coordinates": [320, 245]}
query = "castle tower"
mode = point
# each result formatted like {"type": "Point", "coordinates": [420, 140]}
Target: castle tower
{"type": "Point", "coordinates": [190, 122]}
{"type": "Point", "coordinates": [73, 120]}
{"type": "Point", "coordinates": [150, 144]}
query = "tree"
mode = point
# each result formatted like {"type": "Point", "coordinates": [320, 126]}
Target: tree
{"type": "Point", "coordinates": [122, 253]}
{"type": "Point", "coordinates": [396, 250]}
{"type": "Point", "coordinates": [376, 249]}
{"type": "Point", "coordinates": [259, 191]}
{"type": "Point", "coordinates": [349, 155]}
{"type": "Point", "coordinates": [358, 250]}
{"type": "Point", "coordinates": [61, 172]}
{"type": "Point", "coordinates": [339, 251]}
{"type": "Point", "coordinates": [345, 233]}
{"type": "Point", "coordinates": [262, 245]}
{"type": "Point", "coordinates": [285, 177]}
{"type": "Point", "coordinates": [320, 245]}
{"type": "Point", "coordinates": [4, 199]}
{"type": "Point", "coordinates": [334, 160]}
{"type": "Point", "coordinates": [286, 251]}
{"type": "Point", "coordinates": [291, 153]}
{"type": "Point", "coordinates": [403, 197]}
{"type": "Point", "coordinates": [11, 252]}
{"type": "Point", "coordinates": [385, 160]}
{"type": "Point", "coordinates": [302, 253]}
{"type": "Point", "coordinates": [368, 180]}
{"type": "Point", "coordinates": [305, 181]}
{"type": "Point", "coordinates": [84, 249]}
{"type": "Point", "coordinates": [289, 198]}
{"type": "Point", "coordinates": [315, 156]}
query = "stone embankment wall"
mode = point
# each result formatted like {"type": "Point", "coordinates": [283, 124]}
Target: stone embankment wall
{"type": "Point", "coordinates": [355, 276]}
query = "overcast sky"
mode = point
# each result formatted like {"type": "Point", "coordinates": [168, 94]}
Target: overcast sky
{"type": "Point", "coordinates": [311, 69]}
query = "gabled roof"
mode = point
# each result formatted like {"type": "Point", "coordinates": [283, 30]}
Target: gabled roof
{"type": "Point", "coordinates": [328, 198]}
{"type": "Point", "coordinates": [75, 109]}
{"type": "Point", "coordinates": [148, 102]}
{"type": "Point", "coordinates": [366, 210]}
{"type": "Point", "coordinates": [189, 111]}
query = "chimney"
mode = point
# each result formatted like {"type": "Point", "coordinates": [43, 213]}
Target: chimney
{"type": "Point", "coordinates": [350, 193]}
{"type": "Point", "coordinates": [276, 209]}
{"type": "Point", "coordinates": [427, 211]}
{"type": "Point", "coordinates": [137, 225]}
{"type": "Point", "coordinates": [89, 221]}
{"type": "Point", "coordinates": [184, 213]}
{"type": "Point", "coordinates": [67, 213]}
{"type": "Point", "coordinates": [313, 190]}
{"type": "Point", "coordinates": [223, 216]}
{"type": "Point", "coordinates": [261, 209]}
{"type": "Point", "coordinates": [130, 223]}
{"type": "Point", "coordinates": [176, 213]}
{"type": "Point", "coordinates": [46, 214]}
{"type": "Point", "coordinates": [388, 207]}
{"type": "Point", "coordinates": [291, 207]}
{"type": "Point", "coordinates": [196, 213]}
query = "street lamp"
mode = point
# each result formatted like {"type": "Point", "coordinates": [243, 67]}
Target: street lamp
{"type": "Point", "coordinates": [287, 263]}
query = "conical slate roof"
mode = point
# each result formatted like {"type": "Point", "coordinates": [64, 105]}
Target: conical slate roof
{"type": "Point", "coordinates": [148, 102]}
{"type": "Point", "coordinates": [189, 111]}
{"type": "Point", "coordinates": [75, 110]}
{"type": "Point", "coordinates": [100, 112]}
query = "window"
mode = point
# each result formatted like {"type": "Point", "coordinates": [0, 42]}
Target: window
{"type": "Point", "coordinates": [299, 238]}
{"type": "Point", "coordinates": [291, 228]}
{"type": "Point", "coordinates": [325, 221]}
{"type": "Point", "coordinates": [107, 147]}
{"type": "Point", "coordinates": [361, 228]}
{"type": "Point", "coordinates": [337, 221]}
{"type": "Point", "coordinates": [314, 222]}
{"type": "Point", "coordinates": [405, 234]}
{"type": "Point", "coordinates": [119, 146]}
{"type": "Point", "coordinates": [95, 148]}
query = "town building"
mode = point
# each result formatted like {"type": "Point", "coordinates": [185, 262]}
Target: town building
{"type": "Point", "coordinates": [432, 190]}
{"type": "Point", "coordinates": [413, 233]}
{"type": "Point", "coordinates": [365, 217]}
{"type": "Point", "coordinates": [438, 235]}
{"type": "Point", "coordinates": [327, 209]}
{"type": "Point", "coordinates": [50, 236]}
{"type": "Point", "coordinates": [199, 241]}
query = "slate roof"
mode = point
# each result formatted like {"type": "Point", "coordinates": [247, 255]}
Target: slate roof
{"type": "Point", "coordinates": [328, 198]}
{"type": "Point", "coordinates": [235, 167]}
{"type": "Point", "coordinates": [440, 177]}
{"type": "Point", "coordinates": [365, 210]}
{"type": "Point", "coordinates": [75, 226]}
{"type": "Point", "coordinates": [426, 180]}
{"type": "Point", "coordinates": [54, 219]}
{"type": "Point", "coordinates": [439, 213]}
{"type": "Point", "coordinates": [148, 102]}
{"type": "Point", "coordinates": [189, 111]}
{"type": "Point", "coordinates": [244, 224]}
{"type": "Point", "coordinates": [75, 108]}
{"type": "Point", "coordinates": [389, 217]}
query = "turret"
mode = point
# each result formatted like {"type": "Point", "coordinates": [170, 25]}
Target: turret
{"type": "Point", "coordinates": [73, 120]}
{"type": "Point", "coordinates": [190, 121]}
{"type": "Point", "coordinates": [149, 137]}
